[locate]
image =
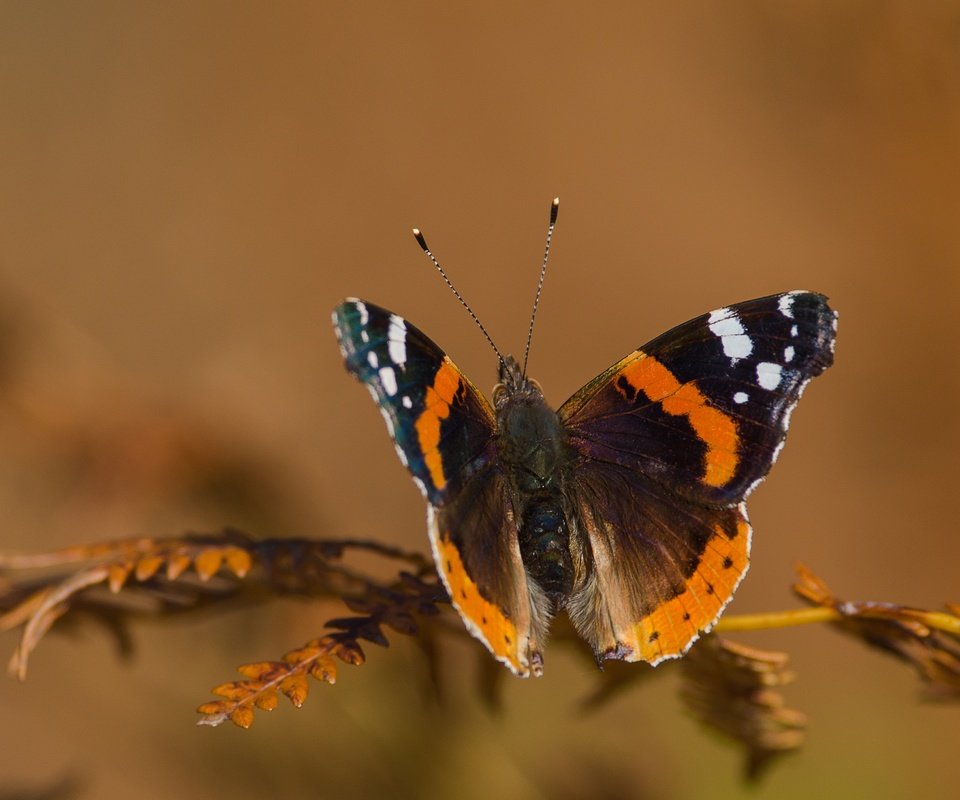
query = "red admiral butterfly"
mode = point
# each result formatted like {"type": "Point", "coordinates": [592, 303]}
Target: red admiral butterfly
{"type": "Point", "coordinates": [625, 508]}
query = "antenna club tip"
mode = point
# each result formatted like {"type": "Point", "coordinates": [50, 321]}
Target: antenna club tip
{"type": "Point", "coordinates": [554, 208]}
{"type": "Point", "coordinates": [420, 240]}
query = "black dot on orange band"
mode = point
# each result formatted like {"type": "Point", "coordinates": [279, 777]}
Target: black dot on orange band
{"type": "Point", "coordinates": [727, 562]}
{"type": "Point", "coordinates": [709, 588]}
{"type": "Point", "coordinates": [686, 616]}
{"type": "Point", "coordinates": [654, 636]}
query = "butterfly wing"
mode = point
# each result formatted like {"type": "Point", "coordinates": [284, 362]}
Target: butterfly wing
{"type": "Point", "coordinates": [443, 429]}
{"type": "Point", "coordinates": [663, 570]}
{"type": "Point", "coordinates": [670, 440]}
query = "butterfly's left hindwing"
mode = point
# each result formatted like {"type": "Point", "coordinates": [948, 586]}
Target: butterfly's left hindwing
{"type": "Point", "coordinates": [663, 569]}
{"type": "Point", "coordinates": [443, 429]}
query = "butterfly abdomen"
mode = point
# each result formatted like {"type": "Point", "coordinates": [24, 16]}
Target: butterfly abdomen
{"type": "Point", "coordinates": [545, 545]}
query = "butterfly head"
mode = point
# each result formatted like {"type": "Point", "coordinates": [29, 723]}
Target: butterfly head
{"type": "Point", "coordinates": [513, 384]}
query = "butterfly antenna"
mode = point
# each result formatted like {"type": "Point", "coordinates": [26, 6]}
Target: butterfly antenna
{"type": "Point", "coordinates": [423, 244]}
{"type": "Point", "coordinates": [554, 208]}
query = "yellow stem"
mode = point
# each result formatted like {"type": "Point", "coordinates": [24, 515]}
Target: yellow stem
{"type": "Point", "coordinates": [940, 620]}
{"type": "Point", "coordinates": [777, 619]}
{"type": "Point", "coordinates": [806, 616]}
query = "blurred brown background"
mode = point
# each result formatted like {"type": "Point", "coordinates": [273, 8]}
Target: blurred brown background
{"type": "Point", "coordinates": [186, 191]}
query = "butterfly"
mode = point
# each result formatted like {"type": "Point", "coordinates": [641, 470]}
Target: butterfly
{"type": "Point", "coordinates": [625, 508]}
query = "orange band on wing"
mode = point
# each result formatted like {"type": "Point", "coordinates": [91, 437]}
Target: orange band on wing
{"type": "Point", "coordinates": [439, 396]}
{"type": "Point", "coordinates": [673, 625]}
{"type": "Point", "coordinates": [489, 622]}
{"type": "Point", "coordinates": [716, 429]}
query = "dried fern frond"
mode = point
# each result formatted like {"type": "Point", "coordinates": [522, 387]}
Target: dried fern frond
{"type": "Point", "coordinates": [397, 606]}
{"type": "Point", "coordinates": [113, 581]}
{"type": "Point", "coordinates": [734, 689]}
{"type": "Point", "coordinates": [929, 641]}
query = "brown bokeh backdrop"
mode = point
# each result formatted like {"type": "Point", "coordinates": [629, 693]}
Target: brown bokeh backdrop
{"type": "Point", "coordinates": [185, 193]}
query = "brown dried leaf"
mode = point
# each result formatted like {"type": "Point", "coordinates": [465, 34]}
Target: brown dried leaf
{"type": "Point", "coordinates": [296, 688]}
{"type": "Point", "coordinates": [402, 623]}
{"type": "Point", "coordinates": [268, 701]}
{"type": "Point", "coordinates": [282, 566]}
{"type": "Point", "coordinates": [119, 572]}
{"type": "Point", "coordinates": [53, 604]}
{"type": "Point", "coordinates": [324, 669]}
{"type": "Point", "coordinates": [350, 652]}
{"type": "Point", "coordinates": [177, 563]}
{"type": "Point", "coordinates": [147, 566]}
{"type": "Point", "coordinates": [207, 562]}
{"type": "Point", "coordinates": [929, 641]}
{"type": "Point", "coordinates": [316, 658]}
{"type": "Point", "coordinates": [260, 670]}
{"type": "Point", "coordinates": [264, 680]}
{"type": "Point", "coordinates": [213, 708]}
{"type": "Point", "coordinates": [232, 690]}
{"type": "Point", "coordinates": [734, 689]}
{"type": "Point", "coordinates": [238, 561]}
{"type": "Point", "coordinates": [242, 716]}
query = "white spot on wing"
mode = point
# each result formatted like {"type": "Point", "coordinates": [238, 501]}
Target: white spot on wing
{"type": "Point", "coordinates": [389, 380]}
{"type": "Point", "coordinates": [364, 313]}
{"type": "Point", "coordinates": [786, 304]}
{"type": "Point", "coordinates": [397, 340]}
{"type": "Point", "coordinates": [794, 331]}
{"type": "Point", "coordinates": [383, 409]}
{"type": "Point", "coordinates": [407, 402]}
{"type": "Point", "coordinates": [768, 375]}
{"type": "Point", "coordinates": [788, 354]}
{"type": "Point", "coordinates": [372, 360]}
{"type": "Point", "coordinates": [741, 397]}
{"type": "Point", "coordinates": [725, 324]}
{"type": "Point", "coordinates": [784, 425]}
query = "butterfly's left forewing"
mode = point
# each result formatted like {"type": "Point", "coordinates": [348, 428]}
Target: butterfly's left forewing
{"type": "Point", "coordinates": [443, 429]}
{"type": "Point", "coordinates": [704, 408]}
{"type": "Point", "coordinates": [669, 441]}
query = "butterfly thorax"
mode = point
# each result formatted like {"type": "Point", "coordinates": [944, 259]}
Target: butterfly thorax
{"type": "Point", "coordinates": [534, 454]}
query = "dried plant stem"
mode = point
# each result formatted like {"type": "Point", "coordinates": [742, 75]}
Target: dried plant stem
{"type": "Point", "coordinates": [776, 619]}
{"type": "Point", "coordinates": [807, 616]}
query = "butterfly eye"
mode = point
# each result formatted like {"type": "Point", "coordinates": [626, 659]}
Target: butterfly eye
{"type": "Point", "coordinates": [498, 392]}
